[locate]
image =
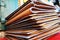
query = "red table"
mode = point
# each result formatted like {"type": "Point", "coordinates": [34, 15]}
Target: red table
{"type": "Point", "coordinates": [3, 38]}
{"type": "Point", "coordinates": [55, 37]}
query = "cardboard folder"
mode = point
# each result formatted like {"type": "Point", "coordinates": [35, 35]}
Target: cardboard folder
{"type": "Point", "coordinates": [34, 15]}
{"type": "Point", "coordinates": [32, 23]}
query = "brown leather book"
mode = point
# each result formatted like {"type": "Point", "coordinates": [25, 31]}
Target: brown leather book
{"type": "Point", "coordinates": [21, 10]}
{"type": "Point", "coordinates": [9, 16]}
{"type": "Point", "coordinates": [23, 14]}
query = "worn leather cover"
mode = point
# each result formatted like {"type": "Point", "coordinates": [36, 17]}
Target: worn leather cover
{"type": "Point", "coordinates": [9, 16]}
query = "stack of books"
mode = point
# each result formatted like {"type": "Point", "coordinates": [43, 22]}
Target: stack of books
{"type": "Point", "coordinates": [35, 21]}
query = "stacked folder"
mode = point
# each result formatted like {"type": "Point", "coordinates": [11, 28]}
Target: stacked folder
{"type": "Point", "coordinates": [35, 21]}
{"type": "Point", "coordinates": [59, 14]}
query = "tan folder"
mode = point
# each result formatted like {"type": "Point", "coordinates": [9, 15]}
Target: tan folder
{"type": "Point", "coordinates": [49, 33]}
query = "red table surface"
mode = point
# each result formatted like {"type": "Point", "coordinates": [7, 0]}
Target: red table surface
{"type": "Point", "coordinates": [3, 38]}
{"type": "Point", "coordinates": [54, 37]}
